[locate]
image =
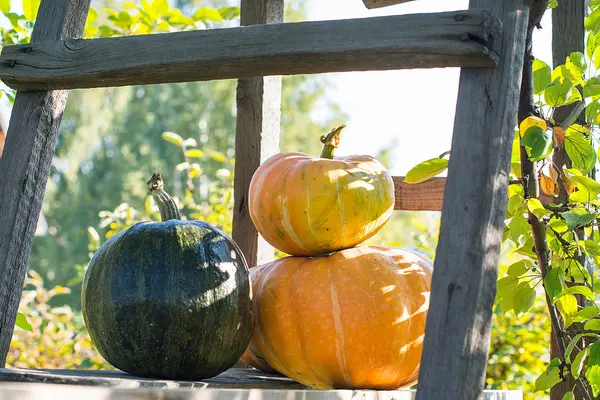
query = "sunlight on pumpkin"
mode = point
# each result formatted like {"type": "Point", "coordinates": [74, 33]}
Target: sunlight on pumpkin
{"type": "Point", "coordinates": [387, 289]}
{"type": "Point", "coordinates": [361, 184]}
{"type": "Point", "coordinates": [223, 290]}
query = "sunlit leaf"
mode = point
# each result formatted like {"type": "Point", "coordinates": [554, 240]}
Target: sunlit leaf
{"type": "Point", "coordinates": [580, 150]}
{"type": "Point", "coordinates": [537, 142]}
{"type": "Point", "coordinates": [568, 396]}
{"type": "Point", "coordinates": [592, 325]}
{"type": "Point", "coordinates": [542, 76]}
{"type": "Point", "coordinates": [161, 6]}
{"type": "Point", "coordinates": [581, 290]}
{"type": "Point", "coordinates": [195, 153]}
{"type": "Point", "coordinates": [592, 21]}
{"type": "Point", "coordinates": [554, 282]}
{"type": "Point", "coordinates": [550, 377]}
{"type": "Point", "coordinates": [519, 227]}
{"type": "Point", "coordinates": [5, 6]}
{"type": "Point", "coordinates": [30, 9]}
{"type": "Point", "coordinates": [591, 89]}
{"type": "Point", "coordinates": [532, 121]}
{"type": "Point", "coordinates": [576, 220]}
{"type": "Point", "coordinates": [548, 186]}
{"type": "Point", "coordinates": [592, 371]}
{"type": "Point", "coordinates": [229, 12]}
{"type": "Point", "coordinates": [586, 313]}
{"type": "Point", "coordinates": [524, 298]}
{"type": "Point", "coordinates": [576, 65]}
{"type": "Point", "coordinates": [519, 268]}
{"type": "Point", "coordinates": [558, 92]}
{"type": "Point", "coordinates": [207, 14]}
{"type": "Point", "coordinates": [22, 322]}
{"type": "Point", "coordinates": [577, 364]}
{"type": "Point", "coordinates": [173, 138]}
{"type": "Point", "coordinates": [567, 306]}
{"type": "Point", "coordinates": [537, 208]}
{"type": "Point", "coordinates": [426, 170]}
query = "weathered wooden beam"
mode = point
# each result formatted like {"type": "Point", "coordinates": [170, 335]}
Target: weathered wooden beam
{"type": "Point", "coordinates": [25, 163]}
{"type": "Point", "coordinates": [429, 195]}
{"type": "Point", "coordinates": [449, 39]}
{"type": "Point", "coordinates": [383, 3]}
{"type": "Point", "coordinates": [257, 133]}
{"type": "Point", "coordinates": [457, 333]}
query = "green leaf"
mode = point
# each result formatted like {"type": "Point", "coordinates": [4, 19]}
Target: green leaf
{"type": "Point", "coordinates": [22, 322]}
{"type": "Point", "coordinates": [579, 149]}
{"type": "Point", "coordinates": [550, 377]}
{"type": "Point", "coordinates": [558, 92]}
{"type": "Point", "coordinates": [173, 138]}
{"type": "Point", "coordinates": [569, 396]}
{"type": "Point", "coordinates": [586, 313]}
{"type": "Point", "coordinates": [207, 14]}
{"type": "Point", "coordinates": [591, 89]}
{"type": "Point", "coordinates": [577, 364]}
{"type": "Point", "coordinates": [542, 76]}
{"type": "Point", "coordinates": [195, 153]}
{"type": "Point", "coordinates": [581, 290]}
{"type": "Point", "coordinates": [537, 142]}
{"type": "Point", "coordinates": [30, 9]}
{"type": "Point", "coordinates": [592, 22]}
{"type": "Point", "coordinates": [229, 12]}
{"type": "Point", "coordinates": [161, 7]}
{"type": "Point", "coordinates": [575, 220]}
{"type": "Point", "coordinates": [592, 325]}
{"type": "Point", "coordinates": [591, 112]}
{"type": "Point", "coordinates": [567, 305]}
{"type": "Point", "coordinates": [537, 208]}
{"type": "Point", "coordinates": [426, 170]}
{"type": "Point", "coordinates": [592, 187]}
{"type": "Point", "coordinates": [553, 4]}
{"type": "Point", "coordinates": [592, 372]}
{"type": "Point", "coordinates": [5, 6]}
{"type": "Point", "coordinates": [553, 282]}
{"type": "Point", "coordinates": [519, 268]}
{"type": "Point", "coordinates": [524, 298]}
{"type": "Point", "coordinates": [518, 227]}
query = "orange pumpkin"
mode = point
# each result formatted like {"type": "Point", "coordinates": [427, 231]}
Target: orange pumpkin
{"type": "Point", "coordinates": [354, 319]}
{"type": "Point", "coordinates": [305, 205]}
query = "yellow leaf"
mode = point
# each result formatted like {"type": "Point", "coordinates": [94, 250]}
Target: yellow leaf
{"type": "Point", "coordinates": [532, 121]}
{"type": "Point", "coordinates": [548, 186]}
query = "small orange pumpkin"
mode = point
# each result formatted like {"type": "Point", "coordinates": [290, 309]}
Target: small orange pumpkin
{"type": "Point", "coordinates": [304, 205]}
{"type": "Point", "coordinates": [354, 319]}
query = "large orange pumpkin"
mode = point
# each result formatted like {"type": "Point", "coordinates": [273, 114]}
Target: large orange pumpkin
{"type": "Point", "coordinates": [354, 319]}
{"type": "Point", "coordinates": [305, 205]}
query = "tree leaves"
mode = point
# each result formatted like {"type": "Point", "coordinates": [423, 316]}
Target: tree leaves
{"type": "Point", "coordinates": [5, 6]}
{"type": "Point", "coordinates": [173, 138]}
{"type": "Point", "coordinates": [577, 364]}
{"type": "Point", "coordinates": [22, 322]}
{"type": "Point", "coordinates": [30, 9]}
{"type": "Point", "coordinates": [554, 282]}
{"type": "Point", "coordinates": [576, 220]}
{"type": "Point", "coordinates": [524, 298]}
{"type": "Point", "coordinates": [592, 372]}
{"type": "Point", "coordinates": [579, 149]}
{"type": "Point", "coordinates": [537, 142]}
{"type": "Point", "coordinates": [550, 377]}
{"type": "Point", "coordinates": [426, 170]}
{"type": "Point", "coordinates": [542, 76]}
{"type": "Point", "coordinates": [581, 290]}
{"type": "Point", "coordinates": [558, 92]}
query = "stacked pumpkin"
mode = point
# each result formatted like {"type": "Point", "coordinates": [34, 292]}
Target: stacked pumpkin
{"type": "Point", "coordinates": [334, 314]}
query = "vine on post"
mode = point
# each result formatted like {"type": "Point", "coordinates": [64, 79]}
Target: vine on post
{"type": "Point", "coordinates": [557, 242]}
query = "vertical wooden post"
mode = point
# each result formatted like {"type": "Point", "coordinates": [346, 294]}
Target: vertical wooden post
{"type": "Point", "coordinates": [458, 325]}
{"type": "Point", "coordinates": [257, 133]}
{"type": "Point", "coordinates": [25, 163]}
{"type": "Point", "coordinates": [568, 35]}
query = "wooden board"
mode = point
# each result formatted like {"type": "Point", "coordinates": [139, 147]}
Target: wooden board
{"type": "Point", "coordinates": [258, 122]}
{"type": "Point", "coordinates": [234, 384]}
{"type": "Point", "coordinates": [457, 333]}
{"type": "Point", "coordinates": [25, 163]}
{"type": "Point", "coordinates": [448, 39]}
{"type": "Point", "coordinates": [383, 3]}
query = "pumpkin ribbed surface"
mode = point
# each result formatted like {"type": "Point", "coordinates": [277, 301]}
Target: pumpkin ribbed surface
{"type": "Point", "coordinates": [353, 319]}
{"type": "Point", "coordinates": [304, 205]}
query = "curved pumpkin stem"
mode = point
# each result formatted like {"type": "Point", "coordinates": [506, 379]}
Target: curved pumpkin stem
{"type": "Point", "coordinates": [331, 142]}
{"type": "Point", "coordinates": [166, 204]}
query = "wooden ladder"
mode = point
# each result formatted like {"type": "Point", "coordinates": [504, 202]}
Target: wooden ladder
{"type": "Point", "coordinates": [487, 42]}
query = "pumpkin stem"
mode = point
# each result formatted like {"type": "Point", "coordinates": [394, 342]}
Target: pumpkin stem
{"type": "Point", "coordinates": [331, 142]}
{"type": "Point", "coordinates": [166, 204]}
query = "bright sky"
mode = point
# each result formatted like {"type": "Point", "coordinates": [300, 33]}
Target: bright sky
{"type": "Point", "coordinates": [416, 106]}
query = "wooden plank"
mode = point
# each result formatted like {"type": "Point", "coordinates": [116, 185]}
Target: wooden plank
{"type": "Point", "coordinates": [25, 163]}
{"type": "Point", "coordinates": [457, 333]}
{"type": "Point", "coordinates": [449, 39]}
{"type": "Point", "coordinates": [238, 384]}
{"type": "Point", "coordinates": [383, 3]}
{"type": "Point", "coordinates": [257, 133]}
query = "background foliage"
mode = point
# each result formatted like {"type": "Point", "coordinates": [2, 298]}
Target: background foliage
{"type": "Point", "coordinates": [112, 139]}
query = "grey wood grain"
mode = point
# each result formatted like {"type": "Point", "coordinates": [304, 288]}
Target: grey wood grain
{"type": "Point", "coordinates": [457, 333]}
{"type": "Point", "coordinates": [449, 39]}
{"type": "Point", "coordinates": [234, 384]}
{"type": "Point", "coordinates": [383, 3]}
{"type": "Point", "coordinates": [257, 134]}
{"type": "Point", "coordinates": [25, 163]}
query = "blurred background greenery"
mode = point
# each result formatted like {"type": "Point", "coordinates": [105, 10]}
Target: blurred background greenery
{"type": "Point", "coordinates": [111, 141]}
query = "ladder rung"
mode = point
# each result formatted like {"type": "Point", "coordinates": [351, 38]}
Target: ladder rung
{"type": "Point", "coordinates": [448, 39]}
{"type": "Point", "coordinates": [383, 3]}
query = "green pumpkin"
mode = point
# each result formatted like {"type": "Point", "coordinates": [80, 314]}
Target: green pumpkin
{"type": "Point", "coordinates": [170, 299]}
